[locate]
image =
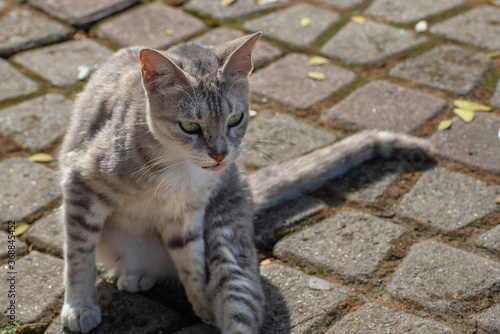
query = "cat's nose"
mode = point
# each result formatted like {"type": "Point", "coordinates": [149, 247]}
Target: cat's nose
{"type": "Point", "coordinates": [219, 157]}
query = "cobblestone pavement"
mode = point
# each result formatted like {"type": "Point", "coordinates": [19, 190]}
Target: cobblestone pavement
{"type": "Point", "coordinates": [397, 246]}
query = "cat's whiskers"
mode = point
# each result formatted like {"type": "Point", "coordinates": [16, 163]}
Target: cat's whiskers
{"type": "Point", "coordinates": [173, 176]}
{"type": "Point", "coordinates": [155, 162]}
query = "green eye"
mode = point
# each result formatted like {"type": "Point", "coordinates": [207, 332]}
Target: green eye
{"type": "Point", "coordinates": [235, 119]}
{"type": "Point", "coordinates": [190, 127]}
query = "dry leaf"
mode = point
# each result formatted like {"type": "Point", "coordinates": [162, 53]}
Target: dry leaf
{"type": "Point", "coordinates": [443, 125]}
{"type": "Point", "coordinates": [305, 21]}
{"type": "Point", "coordinates": [20, 228]}
{"type": "Point", "coordinates": [316, 75]}
{"type": "Point", "coordinates": [266, 262]}
{"type": "Point", "coordinates": [469, 105]}
{"type": "Point", "coordinates": [41, 157]}
{"type": "Point", "coordinates": [265, 2]}
{"type": "Point", "coordinates": [497, 200]}
{"type": "Point", "coordinates": [226, 2]}
{"type": "Point", "coordinates": [317, 60]}
{"type": "Point", "coordinates": [465, 115]}
{"type": "Point", "coordinates": [495, 2]}
{"type": "Point", "coordinates": [169, 32]}
{"type": "Point", "coordinates": [358, 19]}
{"type": "Point", "coordinates": [493, 54]}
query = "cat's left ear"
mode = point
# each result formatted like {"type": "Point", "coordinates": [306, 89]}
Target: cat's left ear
{"type": "Point", "coordinates": [239, 63]}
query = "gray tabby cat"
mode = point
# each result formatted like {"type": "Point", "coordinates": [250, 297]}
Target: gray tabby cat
{"type": "Point", "coordinates": [150, 183]}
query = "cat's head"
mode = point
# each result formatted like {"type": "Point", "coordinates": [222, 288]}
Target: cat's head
{"type": "Point", "coordinates": [198, 98]}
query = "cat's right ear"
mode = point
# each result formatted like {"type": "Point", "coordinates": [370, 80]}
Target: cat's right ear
{"type": "Point", "coordinates": [159, 71]}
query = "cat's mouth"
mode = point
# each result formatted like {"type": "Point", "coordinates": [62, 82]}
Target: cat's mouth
{"type": "Point", "coordinates": [216, 167]}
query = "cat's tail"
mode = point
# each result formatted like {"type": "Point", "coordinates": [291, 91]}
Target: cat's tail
{"type": "Point", "coordinates": [278, 183]}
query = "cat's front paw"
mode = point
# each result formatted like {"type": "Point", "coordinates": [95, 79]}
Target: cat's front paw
{"type": "Point", "coordinates": [80, 318]}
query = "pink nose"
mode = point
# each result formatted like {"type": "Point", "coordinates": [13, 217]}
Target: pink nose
{"type": "Point", "coordinates": [219, 157]}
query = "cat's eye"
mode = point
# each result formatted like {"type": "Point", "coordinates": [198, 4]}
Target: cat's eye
{"type": "Point", "coordinates": [190, 127]}
{"type": "Point", "coordinates": [235, 119]}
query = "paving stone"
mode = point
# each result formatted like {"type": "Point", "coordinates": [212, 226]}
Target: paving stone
{"type": "Point", "coordinates": [448, 201]}
{"type": "Point", "coordinates": [495, 99]}
{"type": "Point", "coordinates": [286, 81]}
{"type": "Point", "coordinates": [269, 221]}
{"type": "Point", "coordinates": [490, 319]}
{"type": "Point", "coordinates": [47, 233]}
{"type": "Point", "coordinates": [369, 42]}
{"type": "Point", "coordinates": [352, 244]}
{"type": "Point", "coordinates": [20, 247]}
{"type": "Point", "coordinates": [299, 299]}
{"type": "Point", "coordinates": [386, 106]}
{"type": "Point", "coordinates": [59, 63]}
{"type": "Point", "coordinates": [27, 187]}
{"type": "Point", "coordinates": [2, 6]}
{"type": "Point", "coordinates": [285, 24]}
{"type": "Point", "coordinates": [373, 318]}
{"type": "Point", "coordinates": [440, 277]}
{"type": "Point", "coordinates": [404, 11]}
{"type": "Point", "coordinates": [273, 138]}
{"type": "Point", "coordinates": [146, 26]}
{"type": "Point", "coordinates": [21, 30]}
{"type": "Point", "coordinates": [240, 8]}
{"type": "Point", "coordinates": [38, 286]}
{"type": "Point", "coordinates": [38, 122]}
{"type": "Point", "coordinates": [446, 67]}
{"type": "Point", "coordinates": [81, 13]}
{"type": "Point", "coordinates": [263, 52]}
{"type": "Point", "coordinates": [13, 83]}
{"type": "Point", "coordinates": [490, 239]}
{"type": "Point", "coordinates": [479, 26]}
{"type": "Point", "coordinates": [474, 143]}
{"type": "Point", "coordinates": [198, 329]}
{"type": "Point", "coordinates": [343, 3]}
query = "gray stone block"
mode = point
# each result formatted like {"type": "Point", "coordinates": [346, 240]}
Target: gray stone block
{"type": "Point", "coordinates": [59, 63]}
{"type": "Point", "coordinates": [479, 26]}
{"type": "Point", "coordinates": [147, 25]}
{"type": "Point", "coordinates": [448, 201]}
{"type": "Point", "coordinates": [36, 123]}
{"type": "Point", "coordinates": [369, 42]}
{"type": "Point", "coordinates": [404, 11]}
{"type": "Point", "coordinates": [5, 242]}
{"type": "Point", "coordinates": [351, 244]}
{"type": "Point", "coordinates": [13, 83]}
{"type": "Point", "coordinates": [343, 3]}
{"type": "Point", "coordinates": [495, 99]}
{"type": "Point", "coordinates": [446, 67]}
{"type": "Point", "coordinates": [27, 187]}
{"type": "Point", "coordinates": [491, 239]}
{"type": "Point", "coordinates": [21, 30]}
{"type": "Point", "coordinates": [490, 319]}
{"type": "Point", "coordinates": [442, 278]}
{"type": "Point", "coordinates": [386, 106]}
{"type": "Point", "coordinates": [373, 318]}
{"type": "Point", "coordinates": [286, 81]}
{"type": "Point", "coordinates": [285, 24]}
{"type": "Point", "coordinates": [240, 8]}
{"type": "Point", "coordinates": [81, 13]}
{"type": "Point", "coordinates": [262, 53]}
{"type": "Point", "coordinates": [299, 299]}
{"type": "Point", "coordinates": [273, 138]}
{"type": "Point", "coordinates": [47, 234]}
{"type": "Point", "coordinates": [268, 222]}
{"type": "Point", "coordinates": [474, 143]}
{"type": "Point", "coordinates": [38, 286]}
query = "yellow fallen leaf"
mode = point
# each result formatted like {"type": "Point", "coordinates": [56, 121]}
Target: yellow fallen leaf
{"type": "Point", "coordinates": [265, 262]}
{"type": "Point", "coordinates": [497, 200]}
{"type": "Point", "coordinates": [469, 105]}
{"type": "Point", "coordinates": [493, 54]}
{"type": "Point", "coordinates": [169, 32]}
{"type": "Point", "coordinates": [20, 228]}
{"type": "Point", "coordinates": [316, 75]}
{"type": "Point", "coordinates": [41, 157]}
{"type": "Point", "coordinates": [465, 115]}
{"type": "Point", "coordinates": [226, 2]}
{"type": "Point", "coordinates": [305, 21]}
{"type": "Point", "coordinates": [495, 2]}
{"type": "Point", "coordinates": [358, 19]}
{"type": "Point", "coordinates": [443, 125]}
{"type": "Point", "coordinates": [317, 60]}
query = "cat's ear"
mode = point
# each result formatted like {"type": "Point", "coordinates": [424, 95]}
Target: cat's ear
{"type": "Point", "coordinates": [239, 62]}
{"type": "Point", "coordinates": [159, 71]}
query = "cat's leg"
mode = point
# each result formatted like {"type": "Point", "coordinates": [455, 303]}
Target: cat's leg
{"type": "Point", "coordinates": [186, 246]}
{"type": "Point", "coordinates": [84, 214]}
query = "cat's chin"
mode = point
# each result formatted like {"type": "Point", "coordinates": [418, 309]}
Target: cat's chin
{"type": "Point", "coordinates": [215, 168]}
